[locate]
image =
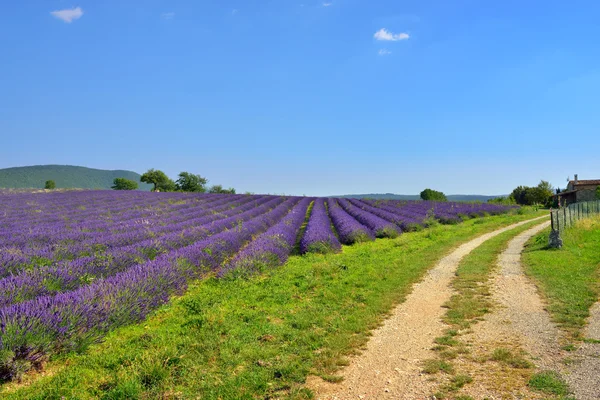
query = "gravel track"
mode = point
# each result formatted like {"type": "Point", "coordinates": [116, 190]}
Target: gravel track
{"type": "Point", "coordinates": [390, 366]}
{"type": "Point", "coordinates": [522, 321]}
{"type": "Point", "coordinates": [583, 374]}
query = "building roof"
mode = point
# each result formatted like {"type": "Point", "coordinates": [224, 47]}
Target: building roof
{"type": "Point", "coordinates": [564, 193]}
{"type": "Point", "coordinates": [593, 182]}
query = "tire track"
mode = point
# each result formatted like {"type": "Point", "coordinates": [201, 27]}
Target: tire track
{"type": "Point", "coordinates": [390, 366]}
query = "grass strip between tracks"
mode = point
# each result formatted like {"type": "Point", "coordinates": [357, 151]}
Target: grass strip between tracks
{"type": "Point", "coordinates": [466, 307]}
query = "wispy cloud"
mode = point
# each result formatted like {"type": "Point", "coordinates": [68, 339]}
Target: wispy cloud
{"type": "Point", "coordinates": [167, 15]}
{"type": "Point", "coordinates": [235, 11]}
{"type": "Point", "coordinates": [385, 35]}
{"type": "Point", "coordinates": [384, 52]}
{"type": "Point", "coordinates": [68, 15]}
{"type": "Point", "coordinates": [327, 4]}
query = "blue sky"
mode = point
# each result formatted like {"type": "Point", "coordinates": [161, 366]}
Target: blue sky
{"type": "Point", "coordinates": [307, 97]}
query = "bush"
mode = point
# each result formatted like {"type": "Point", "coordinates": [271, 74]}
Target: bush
{"type": "Point", "coordinates": [540, 194]}
{"type": "Point", "coordinates": [434, 195]}
{"type": "Point", "coordinates": [124, 184]}
{"type": "Point", "coordinates": [50, 185]}
{"type": "Point", "coordinates": [502, 200]}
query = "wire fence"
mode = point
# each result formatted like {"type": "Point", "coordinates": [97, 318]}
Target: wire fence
{"type": "Point", "coordinates": [566, 216]}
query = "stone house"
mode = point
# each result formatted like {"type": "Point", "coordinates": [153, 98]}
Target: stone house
{"type": "Point", "coordinates": [578, 190]}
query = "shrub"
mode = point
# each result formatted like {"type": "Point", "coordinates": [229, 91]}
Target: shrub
{"type": "Point", "coordinates": [124, 184]}
{"type": "Point", "coordinates": [434, 195]}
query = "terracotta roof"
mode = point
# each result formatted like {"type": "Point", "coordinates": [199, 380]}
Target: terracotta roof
{"type": "Point", "coordinates": [586, 183]}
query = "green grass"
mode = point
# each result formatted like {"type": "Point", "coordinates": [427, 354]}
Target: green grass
{"type": "Point", "coordinates": [506, 356]}
{"type": "Point", "coordinates": [549, 382]}
{"type": "Point", "coordinates": [568, 278]}
{"type": "Point", "coordinates": [435, 366]}
{"type": "Point", "coordinates": [258, 337]}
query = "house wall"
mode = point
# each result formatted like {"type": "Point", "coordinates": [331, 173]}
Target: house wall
{"type": "Point", "coordinates": [586, 195]}
{"type": "Point", "coordinates": [567, 199]}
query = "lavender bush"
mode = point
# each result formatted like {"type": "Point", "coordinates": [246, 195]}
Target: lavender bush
{"type": "Point", "coordinates": [318, 237]}
{"type": "Point", "coordinates": [348, 228]}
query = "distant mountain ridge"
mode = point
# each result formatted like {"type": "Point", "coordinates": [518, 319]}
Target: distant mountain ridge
{"type": "Point", "coordinates": [65, 176]}
{"type": "Point", "coordinates": [392, 196]}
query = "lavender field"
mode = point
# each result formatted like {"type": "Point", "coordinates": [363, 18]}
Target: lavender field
{"type": "Point", "coordinates": [75, 265]}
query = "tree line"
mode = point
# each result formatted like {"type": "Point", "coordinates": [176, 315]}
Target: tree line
{"type": "Point", "coordinates": [186, 182]}
{"type": "Point", "coordinates": [530, 195]}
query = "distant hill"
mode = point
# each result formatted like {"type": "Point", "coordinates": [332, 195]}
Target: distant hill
{"type": "Point", "coordinates": [65, 176]}
{"type": "Point", "coordinates": [391, 196]}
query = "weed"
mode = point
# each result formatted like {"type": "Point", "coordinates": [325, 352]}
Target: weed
{"type": "Point", "coordinates": [549, 382]}
{"type": "Point", "coordinates": [505, 356]}
{"type": "Point", "coordinates": [434, 366]}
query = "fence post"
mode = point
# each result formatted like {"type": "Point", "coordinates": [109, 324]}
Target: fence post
{"type": "Point", "coordinates": [570, 216]}
{"type": "Point", "coordinates": [586, 209]}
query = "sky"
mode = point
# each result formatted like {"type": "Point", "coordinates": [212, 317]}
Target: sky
{"type": "Point", "coordinates": [307, 97]}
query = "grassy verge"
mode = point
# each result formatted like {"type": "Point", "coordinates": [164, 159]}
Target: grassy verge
{"type": "Point", "coordinates": [258, 337]}
{"type": "Point", "coordinates": [466, 307]}
{"type": "Point", "coordinates": [569, 278]}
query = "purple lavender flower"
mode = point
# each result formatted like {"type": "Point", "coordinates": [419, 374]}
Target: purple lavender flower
{"type": "Point", "coordinates": [318, 237]}
{"type": "Point", "coordinates": [378, 226]}
{"type": "Point", "coordinates": [348, 228]}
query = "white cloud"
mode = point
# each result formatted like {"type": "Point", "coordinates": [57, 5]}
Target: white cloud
{"type": "Point", "coordinates": [68, 15]}
{"type": "Point", "coordinates": [167, 15]}
{"type": "Point", "coordinates": [327, 4]}
{"type": "Point", "coordinates": [384, 34]}
{"type": "Point", "coordinates": [384, 52]}
{"type": "Point", "coordinates": [235, 11]}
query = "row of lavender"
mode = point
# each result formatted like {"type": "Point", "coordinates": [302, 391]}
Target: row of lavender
{"type": "Point", "coordinates": [75, 265]}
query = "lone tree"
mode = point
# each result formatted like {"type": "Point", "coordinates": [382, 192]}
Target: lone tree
{"type": "Point", "coordinates": [50, 185]}
{"type": "Point", "coordinates": [124, 184]}
{"type": "Point", "coordinates": [598, 192]}
{"type": "Point", "coordinates": [189, 182]}
{"type": "Point", "coordinates": [429, 194]}
{"type": "Point", "coordinates": [159, 179]}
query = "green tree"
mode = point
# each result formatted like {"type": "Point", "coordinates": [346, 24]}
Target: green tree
{"type": "Point", "coordinates": [519, 194]}
{"type": "Point", "coordinates": [188, 182]}
{"type": "Point", "coordinates": [50, 185]}
{"type": "Point", "coordinates": [124, 184]}
{"type": "Point", "coordinates": [598, 192]}
{"type": "Point", "coordinates": [502, 200]}
{"type": "Point", "coordinates": [159, 179]}
{"type": "Point", "coordinates": [220, 189]}
{"type": "Point", "coordinates": [540, 194]}
{"type": "Point", "coordinates": [429, 194]}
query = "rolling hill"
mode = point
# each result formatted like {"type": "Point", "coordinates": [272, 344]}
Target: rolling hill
{"type": "Point", "coordinates": [65, 176]}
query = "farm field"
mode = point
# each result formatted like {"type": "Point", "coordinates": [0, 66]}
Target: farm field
{"type": "Point", "coordinates": [138, 262]}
